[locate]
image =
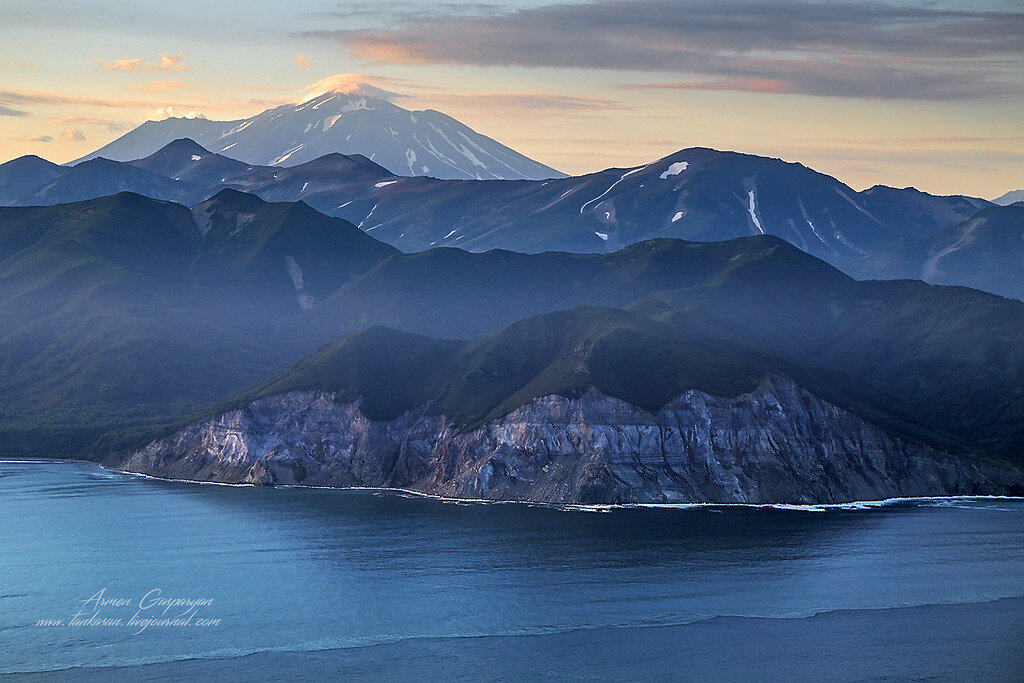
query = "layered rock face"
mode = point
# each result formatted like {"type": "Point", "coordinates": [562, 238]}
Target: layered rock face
{"type": "Point", "coordinates": [778, 443]}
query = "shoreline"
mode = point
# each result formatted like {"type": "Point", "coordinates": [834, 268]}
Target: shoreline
{"type": "Point", "coordinates": [853, 505]}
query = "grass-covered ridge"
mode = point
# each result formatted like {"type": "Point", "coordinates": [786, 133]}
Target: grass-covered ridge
{"type": "Point", "coordinates": [636, 359]}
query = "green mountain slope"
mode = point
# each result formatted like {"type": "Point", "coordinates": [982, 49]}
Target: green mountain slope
{"type": "Point", "coordinates": [120, 312]}
{"type": "Point", "coordinates": [641, 361]}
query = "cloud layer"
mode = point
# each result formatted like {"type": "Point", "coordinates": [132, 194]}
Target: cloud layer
{"type": "Point", "coordinates": [876, 50]}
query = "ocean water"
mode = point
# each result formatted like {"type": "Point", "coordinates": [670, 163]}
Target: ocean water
{"type": "Point", "coordinates": [237, 582]}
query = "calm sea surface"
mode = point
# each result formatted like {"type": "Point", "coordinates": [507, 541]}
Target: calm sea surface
{"type": "Point", "coordinates": [243, 582]}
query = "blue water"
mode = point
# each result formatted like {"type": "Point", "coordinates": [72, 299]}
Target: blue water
{"type": "Point", "coordinates": [317, 571]}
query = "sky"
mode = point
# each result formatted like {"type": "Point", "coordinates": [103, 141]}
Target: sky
{"type": "Point", "coordinates": [904, 92]}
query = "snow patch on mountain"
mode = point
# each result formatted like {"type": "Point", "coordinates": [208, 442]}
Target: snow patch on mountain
{"type": "Point", "coordinates": [611, 187]}
{"type": "Point", "coordinates": [674, 169]}
{"type": "Point", "coordinates": [752, 208]}
{"type": "Point", "coordinates": [294, 272]}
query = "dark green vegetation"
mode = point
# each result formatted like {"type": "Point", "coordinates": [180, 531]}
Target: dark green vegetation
{"type": "Point", "coordinates": [126, 312]}
{"type": "Point", "coordinates": [639, 360]}
{"type": "Point", "coordinates": [985, 252]}
{"type": "Point", "coordinates": [118, 313]}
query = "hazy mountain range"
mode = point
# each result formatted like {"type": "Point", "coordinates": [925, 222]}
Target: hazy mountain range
{"type": "Point", "coordinates": [695, 194]}
{"type": "Point", "coordinates": [985, 252]}
{"type": "Point", "coordinates": [1009, 198]}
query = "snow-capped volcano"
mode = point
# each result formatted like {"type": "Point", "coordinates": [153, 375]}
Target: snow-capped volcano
{"type": "Point", "coordinates": [350, 119]}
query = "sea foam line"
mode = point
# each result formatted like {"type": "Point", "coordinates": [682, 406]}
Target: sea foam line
{"type": "Point", "coordinates": [565, 507]}
{"type": "Point", "coordinates": [583, 507]}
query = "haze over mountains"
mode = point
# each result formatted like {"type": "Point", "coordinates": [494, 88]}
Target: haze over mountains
{"type": "Point", "coordinates": [985, 252]}
{"type": "Point", "coordinates": [696, 194]}
{"type": "Point", "coordinates": [1010, 197]}
{"type": "Point", "coordinates": [126, 312]}
{"type": "Point", "coordinates": [359, 120]}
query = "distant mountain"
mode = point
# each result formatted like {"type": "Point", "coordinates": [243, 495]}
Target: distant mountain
{"type": "Point", "coordinates": [100, 178]}
{"type": "Point", "coordinates": [696, 194]}
{"type": "Point", "coordinates": [985, 252]}
{"type": "Point", "coordinates": [919, 212]}
{"type": "Point", "coordinates": [20, 176]}
{"type": "Point", "coordinates": [360, 121]}
{"type": "Point", "coordinates": [184, 160]}
{"type": "Point", "coordinates": [1010, 197]}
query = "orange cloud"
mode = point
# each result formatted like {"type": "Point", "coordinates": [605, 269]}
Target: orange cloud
{"type": "Point", "coordinates": [73, 135]}
{"type": "Point", "coordinates": [171, 63]}
{"type": "Point", "coordinates": [124, 65]}
{"type": "Point", "coordinates": [391, 53]}
{"type": "Point", "coordinates": [26, 97]}
{"type": "Point", "coordinates": [517, 102]}
{"type": "Point", "coordinates": [168, 62]}
{"type": "Point", "coordinates": [34, 138]}
{"type": "Point", "coordinates": [302, 60]}
{"type": "Point", "coordinates": [741, 84]}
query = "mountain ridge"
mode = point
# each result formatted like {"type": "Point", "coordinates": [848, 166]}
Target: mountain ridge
{"type": "Point", "coordinates": [695, 194]}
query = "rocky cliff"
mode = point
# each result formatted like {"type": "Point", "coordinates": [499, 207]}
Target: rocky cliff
{"type": "Point", "coordinates": [778, 443]}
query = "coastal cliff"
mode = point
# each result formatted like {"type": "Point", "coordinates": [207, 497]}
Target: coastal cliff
{"type": "Point", "coordinates": [776, 444]}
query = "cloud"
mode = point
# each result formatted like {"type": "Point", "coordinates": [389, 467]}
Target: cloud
{"type": "Point", "coordinates": [741, 84]}
{"type": "Point", "coordinates": [171, 63]}
{"type": "Point", "coordinates": [73, 135]}
{"type": "Point", "coordinates": [29, 97]}
{"type": "Point", "coordinates": [65, 99]}
{"type": "Point", "coordinates": [34, 138]}
{"type": "Point", "coordinates": [168, 62]}
{"type": "Point", "coordinates": [878, 50]}
{"type": "Point", "coordinates": [156, 86]}
{"type": "Point", "coordinates": [168, 111]}
{"type": "Point", "coordinates": [124, 65]}
{"type": "Point", "coordinates": [11, 111]}
{"type": "Point", "coordinates": [525, 101]}
{"type": "Point", "coordinates": [425, 95]}
{"type": "Point", "coordinates": [113, 126]}
{"type": "Point", "coordinates": [302, 60]}
{"type": "Point", "coordinates": [348, 84]}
